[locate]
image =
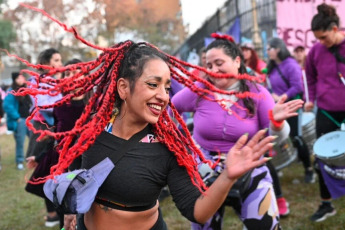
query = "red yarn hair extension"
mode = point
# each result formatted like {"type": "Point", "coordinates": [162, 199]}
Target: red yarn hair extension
{"type": "Point", "coordinates": [103, 74]}
{"type": "Point", "coordinates": [223, 36]}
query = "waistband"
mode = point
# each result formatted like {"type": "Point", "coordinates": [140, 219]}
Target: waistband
{"type": "Point", "coordinates": [119, 206]}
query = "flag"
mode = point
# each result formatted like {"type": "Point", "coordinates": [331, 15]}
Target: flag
{"type": "Point", "coordinates": [208, 41]}
{"type": "Point", "coordinates": [235, 30]}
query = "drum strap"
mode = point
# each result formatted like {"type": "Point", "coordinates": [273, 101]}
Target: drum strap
{"type": "Point", "coordinates": [332, 118]}
{"type": "Point", "coordinates": [340, 59]}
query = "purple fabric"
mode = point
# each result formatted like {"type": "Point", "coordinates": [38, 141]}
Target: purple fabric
{"type": "Point", "coordinates": [292, 73]}
{"type": "Point", "coordinates": [67, 114]}
{"type": "Point", "coordinates": [45, 99]}
{"type": "Point", "coordinates": [175, 87]}
{"type": "Point", "coordinates": [324, 85]}
{"type": "Point", "coordinates": [222, 131]}
{"type": "Point", "coordinates": [251, 204]}
{"type": "Point", "coordinates": [336, 186]}
{"type": "Point", "coordinates": [85, 192]}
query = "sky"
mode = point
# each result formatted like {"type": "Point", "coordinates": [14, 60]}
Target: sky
{"type": "Point", "coordinates": [195, 12]}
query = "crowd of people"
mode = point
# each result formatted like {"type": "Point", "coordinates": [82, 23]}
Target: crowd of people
{"type": "Point", "coordinates": [78, 114]}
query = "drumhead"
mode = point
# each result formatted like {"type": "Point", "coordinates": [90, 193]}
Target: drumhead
{"type": "Point", "coordinates": [330, 145]}
{"type": "Point", "coordinates": [307, 117]}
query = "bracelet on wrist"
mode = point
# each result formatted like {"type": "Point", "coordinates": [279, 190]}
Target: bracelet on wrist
{"type": "Point", "coordinates": [275, 123]}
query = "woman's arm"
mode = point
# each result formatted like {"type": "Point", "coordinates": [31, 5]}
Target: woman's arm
{"type": "Point", "coordinates": [241, 158]}
{"type": "Point", "coordinates": [185, 100]}
{"type": "Point", "coordinates": [9, 107]}
{"type": "Point", "coordinates": [294, 76]}
{"type": "Point", "coordinates": [283, 110]}
{"type": "Point", "coordinates": [311, 74]}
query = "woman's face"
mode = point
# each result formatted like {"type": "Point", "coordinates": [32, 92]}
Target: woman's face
{"type": "Point", "coordinates": [247, 53]}
{"type": "Point", "coordinates": [219, 62]}
{"type": "Point", "coordinates": [55, 60]}
{"type": "Point", "coordinates": [272, 53]}
{"type": "Point", "coordinates": [327, 37]}
{"type": "Point", "coordinates": [299, 54]}
{"type": "Point", "coordinates": [150, 95]}
{"type": "Point", "coordinates": [20, 80]}
{"type": "Point", "coordinates": [69, 74]}
{"type": "Point", "coordinates": [203, 59]}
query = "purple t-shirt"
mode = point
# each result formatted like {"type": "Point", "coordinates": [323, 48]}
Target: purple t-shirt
{"type": "Point", "coordinates": [214, 128]}
{"type": "Point", "coordinates": [324, 84]}
{"type": "Point", "coordinates": [293, 75]}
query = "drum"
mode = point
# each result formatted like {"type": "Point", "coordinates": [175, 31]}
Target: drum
{"type": "Point", "coordinates": [330, 148]}
{"type": "Point", "coordinates": [308, 129]}
{"type": "Point", "coordinates": [283, 154]}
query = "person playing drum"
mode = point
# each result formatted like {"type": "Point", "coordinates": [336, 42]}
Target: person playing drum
{"type": "Point", "coordinates": [325, 68]}
{"type": "Point", "coordinates": [216, 129]}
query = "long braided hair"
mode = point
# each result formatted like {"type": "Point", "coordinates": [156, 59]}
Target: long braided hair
{"type": "Point", "coordinates": [123, 60]}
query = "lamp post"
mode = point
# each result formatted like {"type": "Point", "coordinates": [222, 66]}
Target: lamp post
{"type": "Point", "coordinates": [257, 41]}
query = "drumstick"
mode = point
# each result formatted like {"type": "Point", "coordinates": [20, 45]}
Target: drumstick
{"type": "Point", "coordinates": [305, 86]}
{"type": "Point", "coordinates": [341, 77]}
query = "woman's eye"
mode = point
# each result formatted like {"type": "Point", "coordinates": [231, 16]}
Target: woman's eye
{"type": "Point", "coordinates": [168, 89]}
{"type": "Point", "coordinates": [219, 63]}
{"type": "Point", "coordinates": [152, 85]}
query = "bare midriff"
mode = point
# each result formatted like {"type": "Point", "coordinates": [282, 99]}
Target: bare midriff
{"type": "Point", "coordinates": [100, 217]}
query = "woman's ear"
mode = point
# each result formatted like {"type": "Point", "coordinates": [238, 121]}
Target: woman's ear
{"type": "Point", "coordinates": [335, 28]}
{"type": "Point", "coordinates": [238, 62]}
{"type": "Point", "coordinates": [123, 88]}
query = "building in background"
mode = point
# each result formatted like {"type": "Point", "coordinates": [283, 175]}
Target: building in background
{"type": "Point", "coordinates": [236, 16]}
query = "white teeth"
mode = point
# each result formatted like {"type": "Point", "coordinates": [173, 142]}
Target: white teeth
{"type": "Point", "coordinates": [156, 107]}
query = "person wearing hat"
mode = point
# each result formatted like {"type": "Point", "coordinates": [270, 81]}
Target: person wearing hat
{"type": "Point", "coordinates": [253, 63]}
{"type": "Point", "coordinates": [17, 109]}
{"type": "Point", "coordinates": [300, 55]}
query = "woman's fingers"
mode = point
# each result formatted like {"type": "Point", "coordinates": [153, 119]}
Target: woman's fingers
{"type": "Point", "coordinates": [263, 148]}
{"type": "Point", "coordinates": [260, 162]}
{"type": "Point", "coordinates": [282, 99]}
{"type": "Point", "coordinates": [256, 138]}
{"type": "Point", "coordinates": [240, 142]}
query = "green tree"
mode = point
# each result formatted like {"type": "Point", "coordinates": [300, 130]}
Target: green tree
{"type": "Point", "coordinates": [7, 34]}
{"type": "Point", "coordinates": [7, 31]}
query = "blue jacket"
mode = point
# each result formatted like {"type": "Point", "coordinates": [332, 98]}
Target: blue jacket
{"type": "Point", "coordinates": [11, 108]}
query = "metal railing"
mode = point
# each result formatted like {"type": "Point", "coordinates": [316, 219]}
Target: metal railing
{"type": "Point", "coordinates": [225, 17]}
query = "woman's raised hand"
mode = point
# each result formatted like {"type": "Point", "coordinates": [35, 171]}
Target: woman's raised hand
{"type": "Point", "coordinates": [282, 111]}
{"type": "Point", "coordinates": [246, 155]}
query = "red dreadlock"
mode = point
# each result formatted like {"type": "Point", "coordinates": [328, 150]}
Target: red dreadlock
{"type": "Point", "coordinates": [104, 73]}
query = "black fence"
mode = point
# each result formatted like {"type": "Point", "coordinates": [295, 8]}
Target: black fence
{"type": "Point", "coordinates": [224, 19]}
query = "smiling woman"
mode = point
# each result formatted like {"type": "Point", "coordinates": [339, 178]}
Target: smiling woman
{"type": "Point", "coordinates": [132, 83]}
{"type": "Point", "coordinates": [150, 95]}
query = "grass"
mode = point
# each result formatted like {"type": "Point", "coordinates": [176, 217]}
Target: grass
{"type": "Point", "coordinates": [20, 210]}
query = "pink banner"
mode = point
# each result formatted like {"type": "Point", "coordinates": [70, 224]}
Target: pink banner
{"type": "Point", "coordinates": [294, 20]}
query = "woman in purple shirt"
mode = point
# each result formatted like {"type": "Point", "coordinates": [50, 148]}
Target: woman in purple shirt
{"type": "Point", "coordinates": [216, 129]}
{"type": "Point", "coordinates": [323, 72]}
{"type": "Point", "coordinates": [285, 77]}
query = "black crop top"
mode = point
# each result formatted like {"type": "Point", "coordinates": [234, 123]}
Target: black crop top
{"type": "Point", "coordinates": [139, 176]}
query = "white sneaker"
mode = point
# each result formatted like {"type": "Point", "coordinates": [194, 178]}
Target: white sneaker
{"type": "Point", "coordinates": [20, 166]}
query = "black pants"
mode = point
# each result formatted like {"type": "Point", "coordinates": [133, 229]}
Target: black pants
{"type": "Point", "coordinates": [35, 148]}
{"type": "Point", "coordinates": [159, 225]}
{"type": "Point", "coordinates": [275, 179]}
{"type": "Point", "coordinates": [325, 125]}
{"type": "Point", "coordinates": [299, 143]}
{"type": "Point", "coordinates": [51, 208]}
